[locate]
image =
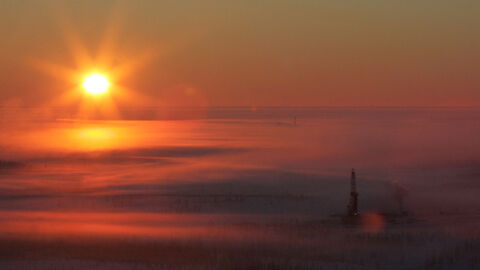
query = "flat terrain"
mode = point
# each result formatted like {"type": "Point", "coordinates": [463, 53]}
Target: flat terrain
{"type": "Point", "coordinates": [242, 189]}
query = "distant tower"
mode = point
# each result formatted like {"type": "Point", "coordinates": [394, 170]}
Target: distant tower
{"type": "Point", "coordinates": [353, 205]}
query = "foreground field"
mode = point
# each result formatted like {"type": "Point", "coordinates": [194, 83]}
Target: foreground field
{"type": "Point", "coordinates": [243, 189]}
{"type": "Point", "coordinates": [288, 244]}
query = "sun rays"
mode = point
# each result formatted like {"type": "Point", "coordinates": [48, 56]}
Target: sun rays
{"type": "Point", "coordinates": [92, 74]}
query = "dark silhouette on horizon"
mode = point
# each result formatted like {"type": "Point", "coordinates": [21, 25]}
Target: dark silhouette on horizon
{"type": "Point", "coordinates": [353, 204]}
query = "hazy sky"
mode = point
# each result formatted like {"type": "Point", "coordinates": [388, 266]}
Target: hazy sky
{"type": "Point", "coordinates": [253, 53]}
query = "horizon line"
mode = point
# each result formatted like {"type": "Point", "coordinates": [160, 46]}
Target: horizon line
{"type": "Point", "coordinates": [269, 106]}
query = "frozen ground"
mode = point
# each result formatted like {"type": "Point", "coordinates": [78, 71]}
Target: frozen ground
{"type": "Point", "coordinates": [242, 188]}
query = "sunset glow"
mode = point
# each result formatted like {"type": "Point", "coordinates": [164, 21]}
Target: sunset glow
{"type": "Point", "coordinates": [228, 135]}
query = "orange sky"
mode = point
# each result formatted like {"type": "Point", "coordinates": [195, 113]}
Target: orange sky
{"type": "Point", "coordinates": [250, 53]}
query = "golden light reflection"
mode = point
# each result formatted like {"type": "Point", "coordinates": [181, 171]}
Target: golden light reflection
{"type": "Point", "coordinates": [97, 138]}
{"type": "Point", "coordinates": [81, 136]}
{"type": "Point", "coordinates": [96, 134]}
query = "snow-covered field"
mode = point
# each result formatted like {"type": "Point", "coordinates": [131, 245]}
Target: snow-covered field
{"type": "Point", "coordinates": [242, 188]}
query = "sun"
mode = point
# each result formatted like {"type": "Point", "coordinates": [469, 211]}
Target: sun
{"type": "Point", "coordinates": [96, 84]}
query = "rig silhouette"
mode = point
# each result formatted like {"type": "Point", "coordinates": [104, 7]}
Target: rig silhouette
{"type": "Point", "coordinates": [352, 209]}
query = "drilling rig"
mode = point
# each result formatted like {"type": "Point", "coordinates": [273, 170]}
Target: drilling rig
{"type": "Point", "coordinates": [352, 210]}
